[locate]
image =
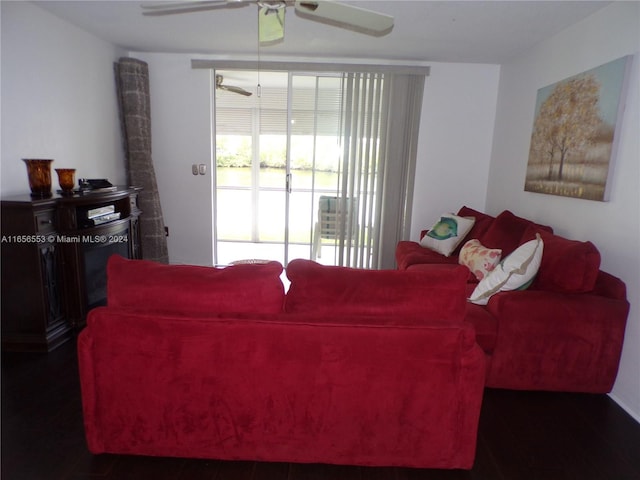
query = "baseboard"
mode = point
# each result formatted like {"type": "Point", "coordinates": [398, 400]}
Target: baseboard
{"type": "Point", "coordinates": [625, 407]}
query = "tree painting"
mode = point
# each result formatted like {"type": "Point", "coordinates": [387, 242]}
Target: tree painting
{"type": "Point", "coordinates": [572, 140]}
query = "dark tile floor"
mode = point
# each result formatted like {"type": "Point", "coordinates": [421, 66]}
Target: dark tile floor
{"type": "Point", "coordinates": [522, 436]}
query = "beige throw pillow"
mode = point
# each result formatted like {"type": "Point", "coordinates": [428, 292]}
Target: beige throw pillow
{"type": "Point", "coordinates": [447, 233]}
{"type": "Point", "coordinates": [478, 258]}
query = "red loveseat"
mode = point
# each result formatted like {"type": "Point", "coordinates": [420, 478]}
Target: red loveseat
{"type": "Point", "coordinates": [562, 333]}
{"type": "Point", "coordinates": [350, 367]}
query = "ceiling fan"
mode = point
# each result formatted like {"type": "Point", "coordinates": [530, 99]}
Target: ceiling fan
{"type": "Point", "coordinates": [272, 12]}
{"type": "Point", "coordinates": [230, 88]}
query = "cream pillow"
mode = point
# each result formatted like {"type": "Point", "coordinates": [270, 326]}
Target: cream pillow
{"type": "Point", "coordinates": [478, 258]}
{"type": "Point", "coordinates": [447, 233]}
{"type": "Point", "coordinates": [515, 272]}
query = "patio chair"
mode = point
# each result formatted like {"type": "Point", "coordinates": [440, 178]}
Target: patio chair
{"type": "Point", "coordinates": [335, 216]}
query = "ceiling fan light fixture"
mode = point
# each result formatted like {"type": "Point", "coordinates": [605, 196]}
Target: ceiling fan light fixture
{"type": "Point", "coordinates": [271, 22]}
{"type": "Point", "coordinates": [271, 5]}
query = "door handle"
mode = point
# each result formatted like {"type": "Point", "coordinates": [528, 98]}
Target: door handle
{"type": "Point", "coordinates": [289, 178]}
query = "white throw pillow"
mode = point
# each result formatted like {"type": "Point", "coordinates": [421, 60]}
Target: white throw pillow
{"type": "Point", "coordinates": [447, 233]}
{"type": "Point", "coordinates": [516, 272]}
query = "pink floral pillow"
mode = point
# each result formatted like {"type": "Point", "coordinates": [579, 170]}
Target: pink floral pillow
{"type": "Point", "coordinates": [478, 258]}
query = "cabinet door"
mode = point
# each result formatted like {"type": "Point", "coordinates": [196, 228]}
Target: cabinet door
{"type": "Point", "coordinates": [33, 316]}
{"type": "Point", "coordinates": [51, 285]}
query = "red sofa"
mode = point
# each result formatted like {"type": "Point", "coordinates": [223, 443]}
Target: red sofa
{"type": "Point", "coordinates": [350, 367]}
{"type": "Point", "coordinates": [562, 333]}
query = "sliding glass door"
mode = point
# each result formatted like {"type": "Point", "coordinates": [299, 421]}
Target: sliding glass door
{"type": "Point", "coordinates": [298, 166]}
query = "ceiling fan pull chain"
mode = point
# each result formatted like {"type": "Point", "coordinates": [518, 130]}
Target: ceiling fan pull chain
{"type": "Point", "coordinates": [258, 87]}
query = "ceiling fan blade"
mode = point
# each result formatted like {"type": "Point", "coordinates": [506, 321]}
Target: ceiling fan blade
{"type": "Point", "coordinates": [183, 4]}
{"type": "Point", "coordinates": [238, 90]}
{"type": "Point", "coordinates": [230, 88]}
{"type": "Point", "coordinates": [271, 24]}
{"type": "Point", "coordinates": [346, 16]}
{"type": "Point", "coordinates": [173, 8]}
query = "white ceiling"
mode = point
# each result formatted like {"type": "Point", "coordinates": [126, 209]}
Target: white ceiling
{"type": "Point", "coordinates": [443, 31]}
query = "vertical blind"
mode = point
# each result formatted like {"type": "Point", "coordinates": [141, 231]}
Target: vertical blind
{"type": "Point", "coordinates": [404, 99]}
{"type": "Point", "coordinates": [364, 123]}
{"type": "Point", "coordinates": [380, 138]}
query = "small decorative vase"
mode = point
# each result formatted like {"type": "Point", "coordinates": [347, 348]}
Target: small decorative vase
{"type": "Point", "coordinates": [66, 178]}
{"type": "Point", "coordinates": [39, 171]}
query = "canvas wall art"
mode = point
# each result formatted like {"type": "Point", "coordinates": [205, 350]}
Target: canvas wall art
{"type": "Point", "coordinates": [575, 130]}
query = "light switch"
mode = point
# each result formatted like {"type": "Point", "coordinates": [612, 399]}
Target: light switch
{"type": "Point", "coordinates": [202, 168]}
{"type": "Point", "coordinates": [194, 169]}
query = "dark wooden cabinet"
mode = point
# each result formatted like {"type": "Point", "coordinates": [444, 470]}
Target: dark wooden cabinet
{"type": "Point", "coordinates": [54, 252]}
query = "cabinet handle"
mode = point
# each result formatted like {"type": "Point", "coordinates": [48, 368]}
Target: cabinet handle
{"type": "Point", "coordinates": [46, 222]}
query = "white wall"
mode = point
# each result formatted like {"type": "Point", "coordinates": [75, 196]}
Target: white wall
{"type": "Point", "coordinates": [181, 136]}
{"type": "Point", "coordinates": [58, 99]}
{"type": "Point", "coordinates": [613, 226]}
{"type": "Point", "coordinates": [454, 145]}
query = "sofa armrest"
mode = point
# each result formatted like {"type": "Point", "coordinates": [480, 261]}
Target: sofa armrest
{"type": "Point", "coordinates": [86, 368]}
{"type": "Point", "coordinates": [555, 341]}
{"type": "Point", "coordinates": [610, 286]}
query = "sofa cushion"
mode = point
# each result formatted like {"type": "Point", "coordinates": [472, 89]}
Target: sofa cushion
{"type": "Point", "coordinates": [514, 273]}
{"type": "Point", "coordinates": [568, 266]}
{"type": "Point", "coordinates": [145, 286]}
{"type": "Point", "coordinates": [447, 233]}
{"type": "Point", "coordinates": [481, 225]}
{"type": "Point", "coordinates": [506, 232]}
{"type": "Point", "coordinates": [437, 267]}
{"type": "Point", "coordinates": [437, 294]}
{"type": "Point", "coordinates": [411, 253]}
{"type": "Point", "coordinates": [479, 259]}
